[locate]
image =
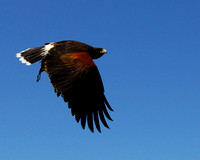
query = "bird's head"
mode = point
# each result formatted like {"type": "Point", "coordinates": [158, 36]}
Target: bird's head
{"type": "Point", "coordinates": [75, 46]}
{"type": "Point", "coordinates": [97, 52]}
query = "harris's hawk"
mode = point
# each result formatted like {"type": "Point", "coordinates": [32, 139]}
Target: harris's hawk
{"type": "Point", "coordinates": [74, 76]}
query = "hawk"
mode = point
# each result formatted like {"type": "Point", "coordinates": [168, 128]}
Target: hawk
{"type": "Point", "coordinates": [73, 75]}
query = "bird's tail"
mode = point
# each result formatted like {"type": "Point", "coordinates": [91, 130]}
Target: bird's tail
{"type": "Point", "coordinates": [32, 55]}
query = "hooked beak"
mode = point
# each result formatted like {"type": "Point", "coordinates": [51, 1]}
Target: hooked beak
{"type": "Point", "coordinates": [103, 51]}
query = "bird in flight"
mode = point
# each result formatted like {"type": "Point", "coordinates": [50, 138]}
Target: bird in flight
{"type": "Point", "coordinates": [74, 76]}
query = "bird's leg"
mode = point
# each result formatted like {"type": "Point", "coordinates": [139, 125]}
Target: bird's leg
{"type": "Point", "coordinates": [41, 70]}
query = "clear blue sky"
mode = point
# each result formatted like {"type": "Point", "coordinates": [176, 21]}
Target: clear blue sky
{"type": "Point", "coordinates": [151, 75]}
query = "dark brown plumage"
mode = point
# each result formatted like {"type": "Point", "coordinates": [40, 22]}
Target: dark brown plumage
{"type": "Point", "coordinates": [74, 76]}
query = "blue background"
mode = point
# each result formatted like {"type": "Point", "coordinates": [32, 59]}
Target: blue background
{"type": "Point", "coordinates": [150, 74]}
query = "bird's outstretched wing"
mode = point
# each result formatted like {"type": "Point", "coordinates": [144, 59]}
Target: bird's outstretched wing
{"type": "Point", "coordinates": [76, 77]}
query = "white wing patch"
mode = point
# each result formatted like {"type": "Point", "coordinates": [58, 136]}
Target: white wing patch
{"type": "Point", "coordinates": [47, 48]}
{"type": "Point", "coordinates": [24, 61]}
{"type": "Point", "coordinates": [32, 55]}
{"type": "Point", "coordinates": [19, 55]}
